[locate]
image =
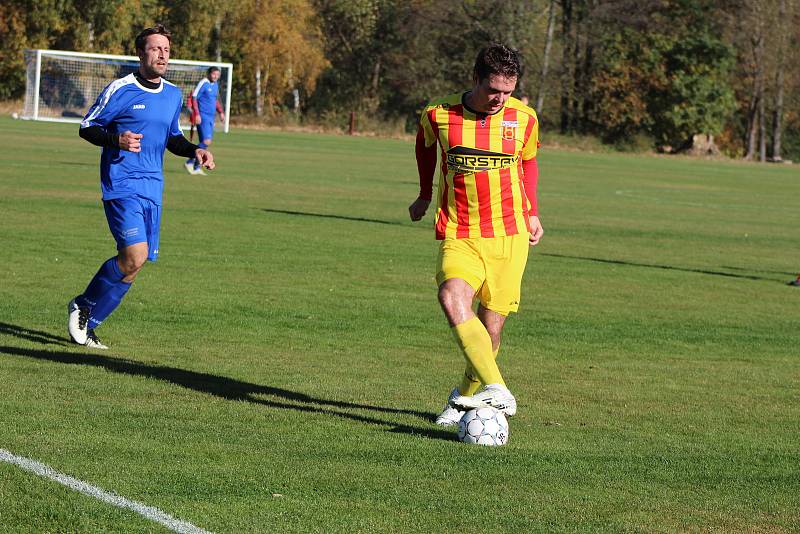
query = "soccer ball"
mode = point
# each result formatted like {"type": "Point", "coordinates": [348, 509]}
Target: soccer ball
{"type": "Point", "coordinates": [483, 426]}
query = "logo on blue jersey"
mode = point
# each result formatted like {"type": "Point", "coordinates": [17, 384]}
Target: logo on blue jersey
{"type": "Point", "coordinates": [138, 106]}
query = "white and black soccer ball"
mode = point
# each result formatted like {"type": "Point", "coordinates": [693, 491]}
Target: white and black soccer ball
{"type": "Point", "coordinates": [483, 426]}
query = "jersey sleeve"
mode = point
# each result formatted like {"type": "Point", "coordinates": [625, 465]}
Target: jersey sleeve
{"type": "Point", "coordinates": [174, 128]}
{"type": "Point", "coordinates": [197, 87]}
{"type": "Point", "coordinates": [105, 108]}
{"type": "Point", "coordinates": [531, 139]}
{"type": "Point", "coordinates": [427, 136]}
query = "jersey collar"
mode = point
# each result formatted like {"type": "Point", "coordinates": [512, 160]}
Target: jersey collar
{"type": "Point", "coordinates": [146, 85]}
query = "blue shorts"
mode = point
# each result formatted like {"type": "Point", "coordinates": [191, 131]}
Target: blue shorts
{"type": "Point", "coordinates": [205, 130]}
{"type": "Point", "coordinates": [134, 220]}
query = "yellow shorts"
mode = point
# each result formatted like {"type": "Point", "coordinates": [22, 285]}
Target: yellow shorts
{"type": "Point", "coordinates": [493, 266]}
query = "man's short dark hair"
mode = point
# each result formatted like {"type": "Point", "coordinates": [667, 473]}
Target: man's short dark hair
{"type": "Point", "coordinates": [498, 59]}
{"type": "Point", "coordinates": [212, 69]}
{"type": "Point", "coordinates": [158, 29]}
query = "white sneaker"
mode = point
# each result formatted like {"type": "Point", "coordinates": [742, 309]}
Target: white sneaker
{"type": "Point", "coordinates": [200, 171]}
{"type": "Point", "coordinates": [494, 395]}
{"type": "Point", "coordinates": [450, 416]}
{"type": "Point", "coordinates": [76, 322]}
{"type": "Point", "coordinates": [189, 167]}
{"type": "Point", "coordinates": [92, 341]}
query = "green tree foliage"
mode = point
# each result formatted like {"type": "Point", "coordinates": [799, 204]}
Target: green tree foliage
{"type": "Point", "coordinates": [667, 76]}
{"type": "Point", "coordinates": [697, 96]}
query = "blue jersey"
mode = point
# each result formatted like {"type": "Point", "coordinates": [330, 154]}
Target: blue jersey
{"type": "Point", "coordinates": [126, 105]}
{"type": "Point", "coordinates": [205, 93]}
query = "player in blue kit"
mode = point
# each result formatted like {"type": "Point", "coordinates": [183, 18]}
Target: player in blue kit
{"type": "Point", "coordinates": [134, 119]}
{"type": "Point", "coordinates": [205, 106]}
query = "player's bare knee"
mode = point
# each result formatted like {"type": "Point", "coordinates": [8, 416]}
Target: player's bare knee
{"type": "Point", "coordinates": [130, 267]}
{"type": "Point", "coordinates": [448, 298]}
{"type": "Point", "coordinates": [132, 261]}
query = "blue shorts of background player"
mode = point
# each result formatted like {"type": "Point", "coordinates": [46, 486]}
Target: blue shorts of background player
{"type": "Point", "coordinates": [205, 130]}
{"type": "Point", "coordinates": [134, 220]}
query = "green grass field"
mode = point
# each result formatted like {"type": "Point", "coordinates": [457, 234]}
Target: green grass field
{"type": "Point", "coordinates": [278, 368]}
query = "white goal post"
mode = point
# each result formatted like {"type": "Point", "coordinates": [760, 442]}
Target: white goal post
{"type": "Point", "coordinates": [61, 86]}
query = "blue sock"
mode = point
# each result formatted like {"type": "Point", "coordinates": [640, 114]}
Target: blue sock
{"type": "Point", "coordinates": [190, 161]}
{"type": "Point", "coordinates": [104, 292]}
{"type": "Point", "coordinates": [108, 303]}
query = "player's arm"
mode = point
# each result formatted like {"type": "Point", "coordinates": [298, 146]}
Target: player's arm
{"type": "Point", "coordinates": [220, 110]}
{"type": "Point", "coordinates": [530, 179]}
{"type": "Point", "coordinates": [425, 150]}
{"type": "Point", "coordinates": [97, 135]}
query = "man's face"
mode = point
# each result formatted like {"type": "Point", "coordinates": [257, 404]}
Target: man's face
{"type": "Point", "coordinates": [155, 56]}
{"type": "Point", "coordinates": [213, 76]}
{"type": "Point", "coordinates": [490, 94]}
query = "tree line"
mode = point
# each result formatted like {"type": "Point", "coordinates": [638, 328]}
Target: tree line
{"type": "Point", "coordinates": [659, 73]}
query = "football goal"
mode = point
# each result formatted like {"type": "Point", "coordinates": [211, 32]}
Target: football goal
{"type": "Point", "coordinates": [61, 86]}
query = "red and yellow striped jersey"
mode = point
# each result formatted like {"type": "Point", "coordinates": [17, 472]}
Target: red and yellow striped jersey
{"type": "Point", "coordinates": [481, 190]}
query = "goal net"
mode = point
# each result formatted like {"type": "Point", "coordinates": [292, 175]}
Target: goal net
{"type": "Point", "coordinates": [62, 86]}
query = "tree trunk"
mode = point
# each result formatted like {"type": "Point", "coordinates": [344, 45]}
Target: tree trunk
{"type": "Point", "coordinates": [762, 124]}
{"type": "Point", "coordinates": [777, 118]}
{"type": "Point", "coordinates": [566, 82]}
{"type": "Point", "coordinates": [753, 119]}
{"type": "Point", "coordinates": [548, 45]}
{"type": "Point", "coordinates": [577, 68]}
{"type": "Point", "coordinates": [218, 38]}
{"type": "Point", "coordinates": [259, 97]}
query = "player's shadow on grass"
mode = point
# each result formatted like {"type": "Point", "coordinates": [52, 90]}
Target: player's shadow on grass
{"type": "Point", "coordinates": [237, 390]}
{"type": "Point", "coordinates": [36, 336]}
{"type": "Point", "coordinates": [341, 217]}
{"type": "Point", "coordinates": [656, 266]}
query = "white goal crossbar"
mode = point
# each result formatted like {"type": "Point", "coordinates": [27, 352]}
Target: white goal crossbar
{"type": "Point", "coordinates": [61, 86]}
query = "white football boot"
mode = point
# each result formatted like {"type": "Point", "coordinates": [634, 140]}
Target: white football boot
{"type": "Point", "coordinates": [200, 171]}
{"type": "Point", "coordinates": [189, 167]}
{"type": "Point", "coordinates": [494, 395]}
{"type": "Point", "coordinates": [450, 416]}
{"type": "Point", "coordinates": [92, 341]}
{"type": "Point", "coordinates": [76, 322]}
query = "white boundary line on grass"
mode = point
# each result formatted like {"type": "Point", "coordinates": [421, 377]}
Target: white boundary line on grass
{"type": "Point", "coordinates": [150, 512]}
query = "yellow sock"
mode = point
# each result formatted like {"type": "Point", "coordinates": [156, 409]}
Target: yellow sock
{"type": "Point", "coordinates": [469, 381]}
{"type": "Point", "coordinates": [475, 343]}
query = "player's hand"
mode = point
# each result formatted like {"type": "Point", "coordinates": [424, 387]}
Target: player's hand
{"type": "Point", "coordinates": [418, 208]}
{"type": "Point", "coordinates": [205, 158]}
{"type": "Point", "coordinates": [536, 230]}
{"type": "Point", "coordinates": [198, 119]}
{"type": "Point", "coordinates": [221, 116]}
{"type": "Point", "coordinates": [130, 141]}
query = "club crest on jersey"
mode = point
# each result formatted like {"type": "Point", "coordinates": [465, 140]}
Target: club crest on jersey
{"type": "Point", "coordinates": [138, 106]}
{"type": "Point", "coordinates": [466, 160]}
{"type": "Point", "coordinates": [510, 130]}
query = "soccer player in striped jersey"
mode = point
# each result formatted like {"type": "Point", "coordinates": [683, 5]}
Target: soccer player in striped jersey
{"type": "Point", "coordinates": [134, 119]}
{"type": "Point", "coordinates": [205, 106]}
{"type": "Point", "coordinates": [486, 216]}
